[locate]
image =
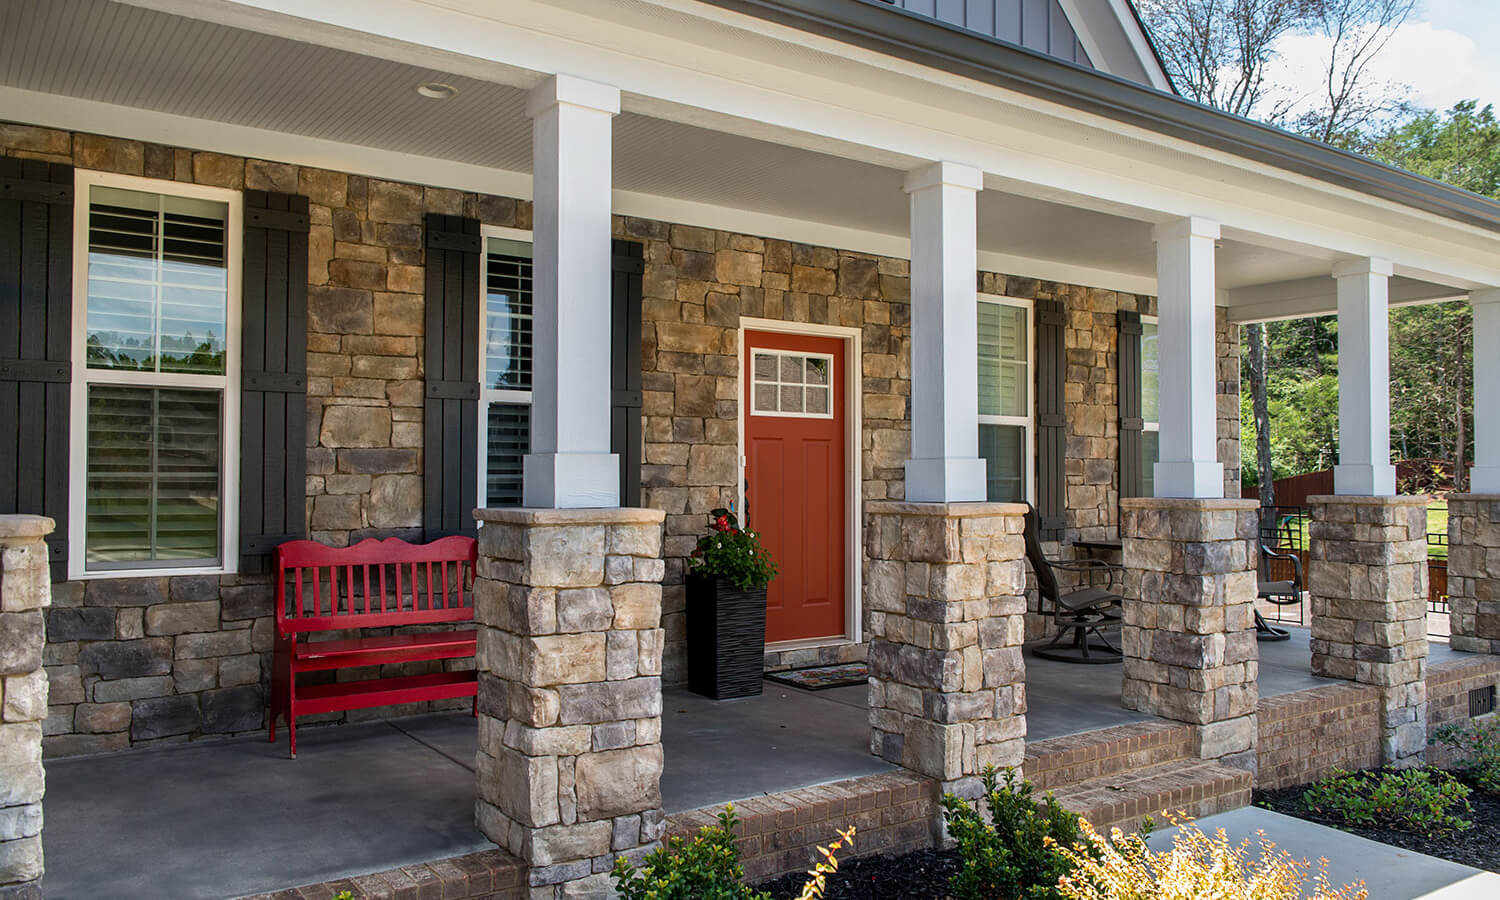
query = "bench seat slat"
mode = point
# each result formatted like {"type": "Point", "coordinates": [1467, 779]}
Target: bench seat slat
{"type": "Point", "coordinates": [316, 655]}
{"type": "Point", "coordinates": [321, 698]}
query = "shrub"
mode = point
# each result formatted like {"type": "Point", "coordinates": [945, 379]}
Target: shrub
{"type": "Point", "coordinates": [1477, 744]}
{"type": "Point", "coordinates": [1018, 852]}
{"type": "Point", "coordinates": [732, 554]}
{"type": "Point", "coordinates": [707, 867]}
{"type": "Point", "coordinates": [1124, 868]}
{"type": "Point", "coordinates": [1425, 801]}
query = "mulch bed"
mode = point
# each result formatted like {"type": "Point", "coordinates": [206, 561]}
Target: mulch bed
{"type": "Point", "coordinates": [1478, 847]}
{"type": "Point", "coordinates": [922, 875]}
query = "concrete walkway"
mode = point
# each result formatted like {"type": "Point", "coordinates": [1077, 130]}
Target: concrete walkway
{"type": "Point", "coordinates": [1389, 873]}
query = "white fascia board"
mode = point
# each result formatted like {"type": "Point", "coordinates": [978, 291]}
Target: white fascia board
{"type": "Point", "coordinates": [1112, 38]}
{"type": "Point", "coordinates": [72, 114]}
{"type": "Point", "coordinates": [799, 89]}
{"type": "Point", "coordinates": [1308, 297]}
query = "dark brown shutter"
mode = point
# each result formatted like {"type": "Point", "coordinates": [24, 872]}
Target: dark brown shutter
{"type": "Point", "coordinates": [36, 334]}
{"type": "Point", "coordinates": [450, 452]}
{"type": "Point", "coordinates": [625, 369]}
{"type": "Point", "coordinates": [273, 376]}
{"type": "Point", "coordinates": [1051, 430]}
{"type": "Point", "coordinates": [1132, 470]}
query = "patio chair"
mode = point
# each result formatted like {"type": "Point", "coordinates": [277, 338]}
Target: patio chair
{"type": "Point", "coordinates": [1281, 593]}
{"type": "Point", "coordinates": [1082, 613]}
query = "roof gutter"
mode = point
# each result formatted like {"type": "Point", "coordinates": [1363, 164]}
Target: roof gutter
{"type": "Point", "coordinates": [886, 29]}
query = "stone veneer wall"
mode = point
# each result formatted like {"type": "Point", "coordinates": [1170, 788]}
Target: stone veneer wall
{"type": "Point", "coordinates": [165, 659]}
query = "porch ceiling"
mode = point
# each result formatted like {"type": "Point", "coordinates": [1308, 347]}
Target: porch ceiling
{"type": "Point", "coordinates": [133, 57]}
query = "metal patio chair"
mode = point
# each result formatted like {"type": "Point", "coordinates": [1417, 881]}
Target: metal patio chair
{"type": "Point", "coordinates": [1081, 614]}
{"type": "Point", "coordinates": [1281, 593]}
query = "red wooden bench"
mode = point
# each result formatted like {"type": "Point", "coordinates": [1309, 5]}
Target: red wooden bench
{"type": "Point", "coordinates": [374, 584]}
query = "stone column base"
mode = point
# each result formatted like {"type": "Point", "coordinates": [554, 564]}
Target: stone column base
{"type": "Point", "coordinates": [1367, 574]}
{"type": "Point", "coordinates": [570, 645]}
{"type": "Point", "coordinates": [1189, 627]}
{"type": "Point", "coordinates": [25, 590]}
{"type": "Point", "coordinates": [945, 590]}
{"type": "Point", "coordinates": [1474, 572]}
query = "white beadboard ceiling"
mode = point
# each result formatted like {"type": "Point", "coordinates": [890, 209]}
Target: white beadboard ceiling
{"type": "Point", "coordinates": [135, 57]}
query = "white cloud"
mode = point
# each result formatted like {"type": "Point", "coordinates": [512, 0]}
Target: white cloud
{"type": "Point", "coordinates": [1438, 65]}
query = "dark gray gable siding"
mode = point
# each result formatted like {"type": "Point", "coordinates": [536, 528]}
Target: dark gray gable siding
{"type": "Point", "coordinates": [1039, 25]}
{"type": "Point", "coordinates": [36, 327]}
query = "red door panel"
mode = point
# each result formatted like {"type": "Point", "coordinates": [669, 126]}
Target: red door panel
{"type": "Point", "coordinates": [795, 477]}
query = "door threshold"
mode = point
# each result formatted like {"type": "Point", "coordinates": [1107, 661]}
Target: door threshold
{"type": "Point", "coordinates": [809, 643]}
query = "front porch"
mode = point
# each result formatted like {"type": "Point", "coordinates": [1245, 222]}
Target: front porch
{"type": "Point", "coordinates": [236, 817]}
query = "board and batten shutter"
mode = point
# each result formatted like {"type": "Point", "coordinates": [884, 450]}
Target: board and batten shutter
{"type": "Point", "coordinates": [36, 335]}
{"type": "Point", "coordinates": [1051, 424]}
{"type": "Point", "coordinates": [1132, 469]}
{"type": "Point", "coordinates": [450, 450]}
{"type": "Point", "coordinates": [628, 266]}
{"type": "Point", "coordinates": [273, 376]}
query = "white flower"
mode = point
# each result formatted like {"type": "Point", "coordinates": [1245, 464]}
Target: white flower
{"type": "Point", "coordinates": [718, 546]}
{"type": "Point", "coordinates": [751, 552]}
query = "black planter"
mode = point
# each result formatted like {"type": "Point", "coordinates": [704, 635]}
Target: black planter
{"type": "Point", "coordinates": [726, 638]}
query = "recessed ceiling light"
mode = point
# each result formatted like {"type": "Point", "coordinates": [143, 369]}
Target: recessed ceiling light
{"type": "Point", "coordinates": [436, 90]}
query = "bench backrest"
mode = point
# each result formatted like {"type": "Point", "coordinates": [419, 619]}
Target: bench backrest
{"type": "Point", "coordinates": [373, 584]}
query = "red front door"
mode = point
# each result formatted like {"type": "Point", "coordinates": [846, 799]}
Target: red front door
{"type": "Point", "coordinates": [795, 477]}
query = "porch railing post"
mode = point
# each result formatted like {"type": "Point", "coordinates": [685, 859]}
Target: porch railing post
{"type": "Point", "coordinates": [1474, 571]}
{"type": "Point", "coordinates": [1367, 576]}
{"type": "Point", "coordinates": [945, 588]}
{"type": "Point", "coordinates": [25, 590]}
{"type": "Point", "coordinates": [1188, 633]}
{"type": "Point", "coordinates": [570, 646]}
{"type": "Point", "coordinates": [570, 463]}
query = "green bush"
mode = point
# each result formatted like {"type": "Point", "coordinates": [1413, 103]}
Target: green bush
{"type": "Point", "coordinates": [704, 868]}
{"type": "Point", "coordinates": [1018, 852]}
{"type": "Point", "coordinates": [1425, 801]}
{"type": "Point", "coordinates": [1478, 746]}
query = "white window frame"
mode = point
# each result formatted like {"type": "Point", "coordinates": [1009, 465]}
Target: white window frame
{"type": "Point", "coordinates": [488, 395]}
{"type": "Point", "coordinates": [1028, 421]}
{"type": "Point", "coordinates": [83, 376]}
{"type": "Point", "coordinates": [1147, 424]}
{"type": "Point", "coordinates": [789, 414]}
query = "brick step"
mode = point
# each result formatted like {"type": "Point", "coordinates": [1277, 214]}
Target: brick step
{"type": "Point", "coordinates": [1058, 762]}
{"type": "Point", "coordinates": [1197, 787]}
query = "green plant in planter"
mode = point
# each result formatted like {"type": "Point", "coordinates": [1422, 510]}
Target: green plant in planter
{"type": "Point", "coordinates": [732, 553]}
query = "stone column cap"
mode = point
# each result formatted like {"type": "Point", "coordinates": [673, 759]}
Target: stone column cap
{"type": "Point", "coordinates": [1359, 500]}
{"type": "Point", "coordinates": [946, 510]}
{"type": "Point", "coordinates": [14, 526]}
{"type": "Point", "coordinates": [609, 515]}
{"type": "Point", "coordinates": [1234, 503]}
{"type": "Point", "coordinates": [1474, 498]}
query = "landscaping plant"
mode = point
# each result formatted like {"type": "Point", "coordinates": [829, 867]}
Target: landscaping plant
{"type": "Point", "coordinates": [1123, 867]}
{"type": "Point", "coordinates": [732, 553]}
{"type": "Point", "coordinates": [1018, 853]}
{"type": "Point", "coordinates": [1477, 744]}
{"type": "Point", "coordinates": [707, 867]}
{"type": "Point", "coordinates": [1421, 800]}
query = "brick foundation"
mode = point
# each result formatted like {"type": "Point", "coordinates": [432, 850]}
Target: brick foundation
{"type": "Point", "coordinates": [1306, 734]}
{"type": "Point", "coordinates": [1448, 687]}
{"type": "Point", "coordinates": [570, 756]}
{"type": "Point", "coordinates": [1367, 575]}
{"type": "Point", "coordinates": [25, 590]}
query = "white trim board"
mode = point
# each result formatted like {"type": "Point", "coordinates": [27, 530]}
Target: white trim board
{"type": "Point", "coordinates": [854, 472]}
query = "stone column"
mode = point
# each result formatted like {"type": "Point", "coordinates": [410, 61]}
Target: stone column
{"type": "Point", "coordinates": [1474, 572]}
{"type": "Point", "coordinates": [570, 644]}
{"type": "Point", "coordinates": [25, 589]}
{"type": "Point", "coordinates": [1189, 620]}
{"type": "Point", "coordinates": [945, 589]}
{"type": "Point", "coordinates": [1367, 574]}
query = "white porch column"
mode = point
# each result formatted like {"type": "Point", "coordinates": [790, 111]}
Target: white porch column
{"type": "Point", "coordinates": [945, 464]}
{"type": "Point", "coordinates": [1189, 466]}
{"type": "Point", "coordinates": [1484, 478]}
{"type": "Point", "coordinates": [570, 464]}
{"type": "Point", "coordinates": [1364, 468]}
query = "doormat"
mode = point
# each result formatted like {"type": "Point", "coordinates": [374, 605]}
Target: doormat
{"type": "Point", "coordinates": [820, 678]}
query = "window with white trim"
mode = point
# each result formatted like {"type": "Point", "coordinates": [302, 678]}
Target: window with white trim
{"type": "Point", "coordinates": [505, 397]}
{"type": "Point", "coordinates": [1006, 432]}
{"type": "Point", "coordinates": [156, 376]}
{"type": "Point", "coordinates": [1150, 406]}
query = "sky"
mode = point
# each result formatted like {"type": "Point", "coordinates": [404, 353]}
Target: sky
{"type": "Point", "coordinates": [1445, 52]}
